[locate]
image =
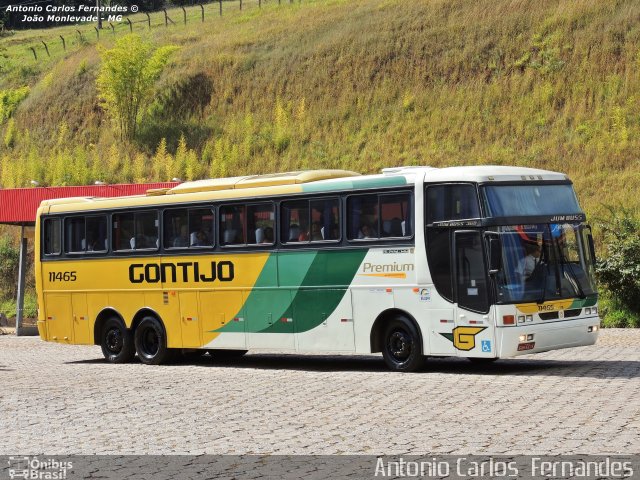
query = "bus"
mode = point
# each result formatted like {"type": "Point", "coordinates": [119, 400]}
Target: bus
{"type": "Point", "coordinates": [482, 262]}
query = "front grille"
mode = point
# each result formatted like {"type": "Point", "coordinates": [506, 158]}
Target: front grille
{"type": "Point", "coordinates": [574, 312]}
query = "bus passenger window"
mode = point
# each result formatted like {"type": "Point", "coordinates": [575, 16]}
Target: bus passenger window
{"type": "Point", "coordinates": [200, 227]}
{"type": "Point", "coordinates": [74, 235]}
{"type": "Point", "coordinates": [295, 221]}
{"type": "Point", "coordinates": [232, 224]}
{"type": "Point", "coordinates": [85, 234]}
{"type": "Point", "coordinates": [451, 202]}
{"type": "Point", "coordinates": [52, 236]}
{"type": "Point", "coordinates": [362, 217]}
{"type": "Point", "coordinates": [176, 228]}
{"type": "Point", "coordinates": [135, 231]}
{"type": "Point", "coordinates": [96, 234]}
{"type": "Point", "coordinates": [325, 220]}
{"type": "Point", "coordinates": [395, 215]}
{"type": "Point", "coordinates": [260, 223]}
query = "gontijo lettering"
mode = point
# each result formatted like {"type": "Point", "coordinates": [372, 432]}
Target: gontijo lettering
{"type": "Point", "coordinates": [181, 271]}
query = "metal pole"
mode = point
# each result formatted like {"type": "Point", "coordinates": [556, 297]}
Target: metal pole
{"type": "Point", "coordinates": [21, 273]}
{"type": "Point", "coordinates": [99, 16]}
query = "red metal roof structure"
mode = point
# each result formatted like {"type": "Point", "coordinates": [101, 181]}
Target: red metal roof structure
{"type": "Point", "coordinates": [18, 206]}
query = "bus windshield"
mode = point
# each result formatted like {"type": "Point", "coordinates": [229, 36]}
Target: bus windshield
{"type": "Point", "coordinates": [543, 262]}
{"type": "Point", "coordinates": [525, 200]}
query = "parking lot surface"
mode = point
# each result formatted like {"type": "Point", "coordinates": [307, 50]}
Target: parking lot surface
{"type": "Point", "coordinates": [57, 399]}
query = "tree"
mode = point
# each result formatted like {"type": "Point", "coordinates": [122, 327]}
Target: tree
{"type": "Point", "coordinates": [620, 268]}
{"type": "Point", "coordinates": [126, 78]}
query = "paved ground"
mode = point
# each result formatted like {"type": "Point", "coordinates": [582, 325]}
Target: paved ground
{"type": "Point", "coordinates": [66, 399]}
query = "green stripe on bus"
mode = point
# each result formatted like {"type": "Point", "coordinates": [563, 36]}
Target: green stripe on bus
{"type": "Point", "coordinates": [354, 183]}
{"type": "Point", "coordinates": [313, 284]}
{"type": "Point", "coordinates": [589, 301]}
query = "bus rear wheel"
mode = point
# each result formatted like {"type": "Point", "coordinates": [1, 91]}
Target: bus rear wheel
{"type": "Point", "coordinates": [117, 342]}
{"type": "Point", "coordinates": [151, 342]}
{"type": "Point", "coordinates": [401, 350]}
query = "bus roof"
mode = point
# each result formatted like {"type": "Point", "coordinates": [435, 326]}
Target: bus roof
{"type": "Point", "coordinates": [261, 186]}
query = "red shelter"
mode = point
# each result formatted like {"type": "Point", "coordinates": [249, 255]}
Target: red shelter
{"type": "Point", "coordinates": [18, 206]}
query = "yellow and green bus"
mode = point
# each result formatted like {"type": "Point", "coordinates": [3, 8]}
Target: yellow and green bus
{"type": "Point", "coordinates": [479, 262]}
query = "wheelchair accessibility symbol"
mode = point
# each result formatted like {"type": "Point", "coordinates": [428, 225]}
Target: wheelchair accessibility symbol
{"type": "Point", "coordinates": [486, 345]}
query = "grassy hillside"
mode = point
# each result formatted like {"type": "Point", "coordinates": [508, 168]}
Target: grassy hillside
{"type": "Point", "coordinates": [359, 84]}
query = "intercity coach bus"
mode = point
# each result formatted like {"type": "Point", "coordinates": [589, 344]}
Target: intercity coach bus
{"type": "Point", "coordinates": [479, 262]}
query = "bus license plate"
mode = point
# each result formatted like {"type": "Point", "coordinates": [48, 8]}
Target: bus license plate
{"type": "Point", "coordinates": [526, 346]}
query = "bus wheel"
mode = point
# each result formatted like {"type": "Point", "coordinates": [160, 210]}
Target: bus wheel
{"type": "Point", "coordinates": [117, 342]}
{"type": "Point", "coordinates": [151, 342]}
{"type": "Point", "coordinates": [227, 354]}
{"type": "Point", "coordinates": [401, 350]}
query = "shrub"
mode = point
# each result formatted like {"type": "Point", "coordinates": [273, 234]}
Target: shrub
{"type": "Point", "coordinates": [619, 270]}
{"type": "Point", "coordinates": [9, 260]}
{"type": "Point", "coordinates": [126, 78]}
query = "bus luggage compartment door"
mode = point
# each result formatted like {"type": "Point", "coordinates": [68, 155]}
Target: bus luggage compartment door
{"type": "Point", "coordinates": [81, 333]}
{"type": "Point", "coordinates": [190, 322]}
{"type": "Point", "coordinates": [59, 322]}
{"type": "Point", "coordinates": [269, 317]}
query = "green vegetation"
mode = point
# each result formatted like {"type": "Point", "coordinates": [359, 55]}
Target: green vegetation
{"type": "Point", "coordinates": [127, 74]}
{"type": "Point", "coordinates": [619, 270]}
{"type": "Point", "coordinates": [357, 84]}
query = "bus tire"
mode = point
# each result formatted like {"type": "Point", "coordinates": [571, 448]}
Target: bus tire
{"type": "Point", "coordinates": [401, 349]}
{"type": "Point", "coordinates": [220, 354]}
{"type": "Point", "coordinates": [117, 342]}
{"type": "Point", "coordinates": [151, 342]}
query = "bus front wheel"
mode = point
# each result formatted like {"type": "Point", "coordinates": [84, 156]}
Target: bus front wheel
{"type": "Point", "coordinates": [151, 342]}
{"type": "Point", "coordinates": [401, 350]}
{"type": "Point", "coordinates": [117, 342]}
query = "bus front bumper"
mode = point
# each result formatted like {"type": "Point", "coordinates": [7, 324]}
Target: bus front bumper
{"type": "Point", "coordinates": [542, 337]}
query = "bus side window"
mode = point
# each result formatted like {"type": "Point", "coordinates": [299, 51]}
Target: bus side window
{"type": "Point", "coordinates": [395, 215]}
{"type": "Point", "coordinates": [451, 202]}
{"type": "Point", "coordinates": [362, 217]}
{"type": "Point", "coordinates": [439, 257]}
{"type": "Point", "coordinates": [52, 236]}
{"type": "Point", "coordinates": [96, 234]}
{"type": "Point", "coordinates": [325, 220]}
{"type": "Point", "coordinates": [260, 223]}
{"type": "Point", "coordinates": [295, 221]}
{"type": "Point", "coordinates": [200, 227]}
{"type": "Point", "coordinates": [232, 224]}
{"type": "Point", "coordinates": [135, 231]}
{"type": "Point", "coordinates": [176, 228]}
{"type": "Point", "coordinates": [74, 235]}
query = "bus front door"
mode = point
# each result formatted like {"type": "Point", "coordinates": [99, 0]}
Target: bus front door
{"type": "Point", "coordinates": [472, 335]}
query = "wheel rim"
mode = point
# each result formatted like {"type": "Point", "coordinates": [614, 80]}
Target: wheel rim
{"type": "Point", "coordinates": [113, 340]}
{"type": "Point", "coordinates": [399, 346]}
{"type": "Point", "coordinates": [150, 342]}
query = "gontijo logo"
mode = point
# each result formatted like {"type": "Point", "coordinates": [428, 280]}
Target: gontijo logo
{"type": "Point", "coordinates": [463, 338]}
{"type": "Point", "coordinates": [164, 272]}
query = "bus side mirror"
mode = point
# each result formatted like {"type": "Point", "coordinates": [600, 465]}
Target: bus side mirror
{"type": "Point", "coordinates": [495, 254]}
